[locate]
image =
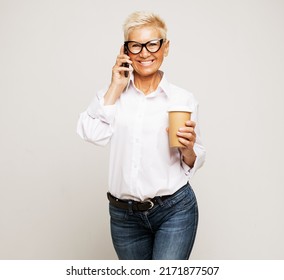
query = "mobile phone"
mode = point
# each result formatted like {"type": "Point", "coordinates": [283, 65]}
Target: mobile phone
{"type": "Point", "coordinates": [125, 64]}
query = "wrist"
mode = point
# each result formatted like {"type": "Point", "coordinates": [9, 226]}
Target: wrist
{"type": "Point", "coordinates": [189, 158]}
{"type": "Point", "coordinates": [113, 93]}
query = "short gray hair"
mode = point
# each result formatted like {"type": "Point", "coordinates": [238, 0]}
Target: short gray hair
{"type": "Point", "coordinates": [143, 18]}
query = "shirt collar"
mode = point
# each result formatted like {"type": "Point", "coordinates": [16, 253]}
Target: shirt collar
{"type": "Point", "coordinates": [164, 85]}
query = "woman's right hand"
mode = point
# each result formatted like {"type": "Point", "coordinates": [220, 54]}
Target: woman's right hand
{"type": "Point", "coordinates": [118, 76]}
{"type": "Point", "coordinates": [118, 79]}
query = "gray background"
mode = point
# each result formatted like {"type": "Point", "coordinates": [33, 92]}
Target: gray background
{"type": "Point", "coordinates": [54, 56]}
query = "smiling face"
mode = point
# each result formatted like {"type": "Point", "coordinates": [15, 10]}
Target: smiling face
{"type": "Point", "coordinates": [147, 64]}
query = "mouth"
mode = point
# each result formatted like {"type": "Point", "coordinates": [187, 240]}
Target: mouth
{"type": "Point", "coordinates": [146, 63]}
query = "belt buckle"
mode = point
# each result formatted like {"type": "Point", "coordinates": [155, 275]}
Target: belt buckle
{"type": "Point", "coordinates": [151, 203]}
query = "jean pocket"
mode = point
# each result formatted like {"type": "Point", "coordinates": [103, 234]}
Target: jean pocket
{"type": "Point", "coordinates": [189, 200]}
{"type": "Point", "coordinates": [184, 200]}
{"type": "Point", "coordinates": [117, 213]}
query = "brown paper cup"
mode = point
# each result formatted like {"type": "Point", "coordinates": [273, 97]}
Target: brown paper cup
{"type": "Point", "coordinates": [177, 119]}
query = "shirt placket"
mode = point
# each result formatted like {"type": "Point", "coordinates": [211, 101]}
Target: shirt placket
{"type": "Point", "coordinates": [136, 143]}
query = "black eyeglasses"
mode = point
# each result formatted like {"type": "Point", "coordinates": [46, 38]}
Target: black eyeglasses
{"type": "Point", "coordinates": [151, 46]}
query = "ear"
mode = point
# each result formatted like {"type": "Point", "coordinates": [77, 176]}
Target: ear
{"type": "Point", "coordinates": [167, 47]}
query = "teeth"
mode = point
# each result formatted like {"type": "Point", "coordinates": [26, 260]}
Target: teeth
{"type": "Point", "coordinates": [146, 63]}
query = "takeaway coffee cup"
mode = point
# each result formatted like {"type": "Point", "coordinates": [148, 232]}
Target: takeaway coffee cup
{"type": "Point", "coordinates": [177, 117]}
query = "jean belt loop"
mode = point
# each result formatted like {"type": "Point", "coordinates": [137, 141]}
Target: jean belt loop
{"type": "Point", "coordinates": [130, 209]}
{"type": "Point", "coordinates": [161, 203]}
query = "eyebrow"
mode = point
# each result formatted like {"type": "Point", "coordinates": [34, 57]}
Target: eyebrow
{"type": "Point", "coordinates": [143, 43]}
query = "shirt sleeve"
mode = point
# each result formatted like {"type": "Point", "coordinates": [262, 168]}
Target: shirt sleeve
{"type": "Point", "coordinates": [95, 125]}
{"type": "Point", "coordinates": [198, 148]}
{"type": "Point", "coordinates": [199, 161]}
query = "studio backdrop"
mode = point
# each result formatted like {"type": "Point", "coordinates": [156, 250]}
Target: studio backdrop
{"type": "Point", "coordinates": [55, 56]}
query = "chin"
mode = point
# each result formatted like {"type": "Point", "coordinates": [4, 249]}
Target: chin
{"type": "Point", "coordinates": [146, 73]}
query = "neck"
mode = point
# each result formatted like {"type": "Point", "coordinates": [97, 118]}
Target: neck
{"type": "Point", "coordinates": [147, 84]}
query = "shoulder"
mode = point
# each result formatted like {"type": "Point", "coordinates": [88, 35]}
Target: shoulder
{"type": "Point", "coordinates": [179, 95]}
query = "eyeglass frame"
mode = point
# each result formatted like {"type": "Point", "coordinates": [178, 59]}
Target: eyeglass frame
{"type": "Point", "coordinates": [144, 45]}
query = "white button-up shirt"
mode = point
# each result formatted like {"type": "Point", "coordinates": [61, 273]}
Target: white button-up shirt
{"type": "Point", "coordinates": [141, 163]}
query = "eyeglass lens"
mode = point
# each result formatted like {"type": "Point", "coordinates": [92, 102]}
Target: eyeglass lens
{"type": "Point", "coordinates": [151, 46]}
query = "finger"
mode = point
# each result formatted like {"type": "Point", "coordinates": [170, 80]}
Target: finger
{"type": "Point", "coordinates": [122, 56]}
{"type": "Point", "coordinates": [184, 142]}
{"type": "Point", "coordinates": [122, 63]}
{"type": "Point", "coordinates": [188, 136]}
{"type": "Point", "coordinates": [122, 53]}
{"type": "Point", "coordinates": [123, 59]}
{"type": "Point", "coordinates": [121, 50]}
{"type": "Point", "coordinates": [187, 129]}
{"type": "Point", "coordinates": [190, 124]}
{"type": "Point", "coordinates": [120, 70]}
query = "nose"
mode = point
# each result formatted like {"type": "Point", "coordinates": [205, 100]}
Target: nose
{"type": "Point", "coordinates": [144, 53]}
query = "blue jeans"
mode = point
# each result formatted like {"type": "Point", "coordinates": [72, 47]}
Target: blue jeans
{"type": "Point", "coordinates": [165, 232]}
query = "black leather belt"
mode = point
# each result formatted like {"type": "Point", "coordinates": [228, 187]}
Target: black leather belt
{"type": "Point", "coordinates": [135, 205]}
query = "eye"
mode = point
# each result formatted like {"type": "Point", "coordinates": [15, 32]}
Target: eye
{"type": "Point", "coordinates": [153, 43]}
{"type": "Point", "coordinates": [134, 45]}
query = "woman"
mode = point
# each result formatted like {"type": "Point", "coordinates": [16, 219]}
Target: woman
{"type": "Point", "coordinates": [152, 206]}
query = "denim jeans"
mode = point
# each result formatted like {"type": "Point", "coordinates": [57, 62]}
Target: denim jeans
{"type": "Point", "coordinates": [165, 232]}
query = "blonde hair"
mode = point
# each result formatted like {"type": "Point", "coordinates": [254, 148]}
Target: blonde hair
{"type": "Point", "coordinates": [143, 18]}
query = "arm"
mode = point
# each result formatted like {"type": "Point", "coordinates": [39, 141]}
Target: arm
{"type": "Point", "coordinates": [95, 124]}
{"type": "Point", "coordinates": [193, 153]}
{"type": "Point", "coordinates": [118, 81]}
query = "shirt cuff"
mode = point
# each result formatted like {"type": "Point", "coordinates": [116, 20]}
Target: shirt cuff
{"type": "Point", "coordinates": [200, 158]}
{"type": "Point", "coordinates": [186, 168]}
{"type": "Point", "coordinates": [97, 110]}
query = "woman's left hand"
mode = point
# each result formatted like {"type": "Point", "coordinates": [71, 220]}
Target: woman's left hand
{"type": "Point", "coordinates": [186, 136]}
